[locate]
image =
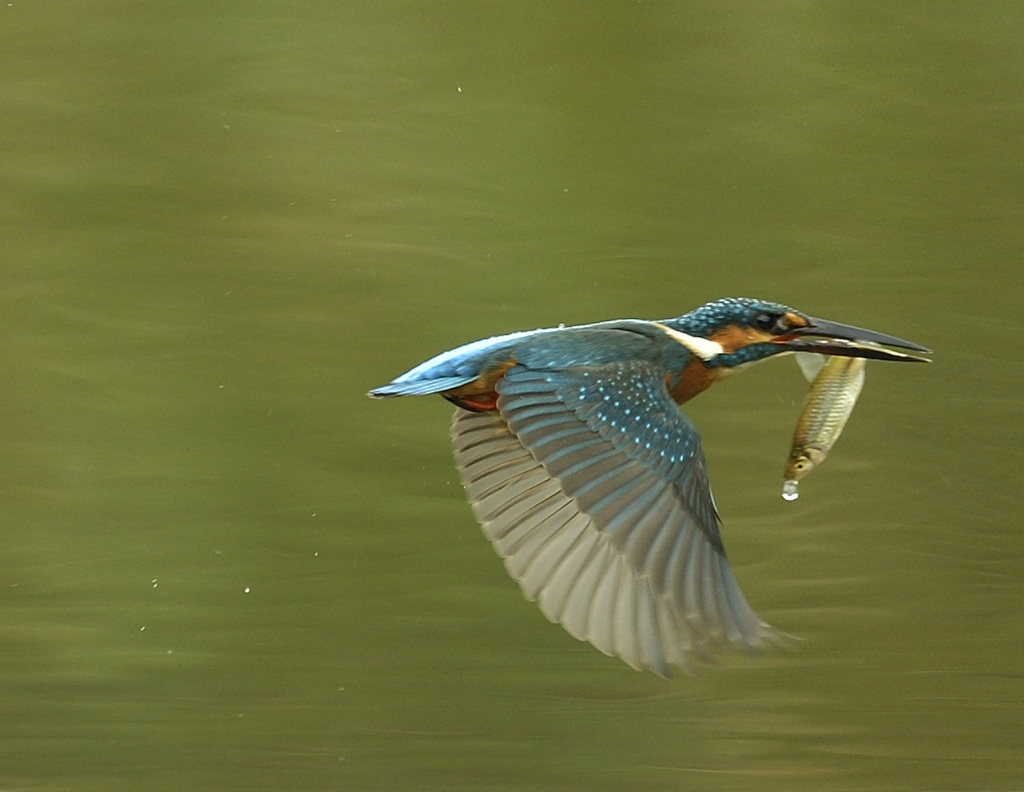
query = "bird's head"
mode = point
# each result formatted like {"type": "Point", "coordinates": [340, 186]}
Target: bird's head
{"type": "Point", "coordinates": [736, 331]}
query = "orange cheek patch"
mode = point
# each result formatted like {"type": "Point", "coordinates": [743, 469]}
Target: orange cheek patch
{"type": "Point", "coordinates": [793, 320]}
{"type": "Point", "coordinates": [733, 337]}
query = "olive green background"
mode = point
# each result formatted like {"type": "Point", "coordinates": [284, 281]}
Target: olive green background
{"type": "Point", "coordinates": [223, 568]}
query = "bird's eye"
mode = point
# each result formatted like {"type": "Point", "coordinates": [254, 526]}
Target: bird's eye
{"type": "Point", "coordinates": [776, 324]}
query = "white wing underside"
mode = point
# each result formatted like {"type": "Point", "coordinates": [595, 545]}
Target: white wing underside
{"type": "Point", "coordinates": [600, 592]}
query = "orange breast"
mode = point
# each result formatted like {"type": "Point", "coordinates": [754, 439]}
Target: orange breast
{"type": "Point", "coordinates": [695, 378]}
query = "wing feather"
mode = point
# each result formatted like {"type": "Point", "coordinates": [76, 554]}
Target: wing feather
{"type": "Point", "coordinates": [592, 487]}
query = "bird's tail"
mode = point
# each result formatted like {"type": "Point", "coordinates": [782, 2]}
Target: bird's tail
{"type": "Point", "coordinates": [418, 387]}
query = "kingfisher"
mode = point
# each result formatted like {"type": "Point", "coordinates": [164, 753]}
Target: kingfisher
{"type": "Point", "coordinates": [589, 480]}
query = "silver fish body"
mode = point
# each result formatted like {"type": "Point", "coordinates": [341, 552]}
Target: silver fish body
{"type": "Point", "coordinates": [834, 392]}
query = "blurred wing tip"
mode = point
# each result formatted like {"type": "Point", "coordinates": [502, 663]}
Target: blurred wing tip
{"type": "Point", "coordinates": [778, 639]}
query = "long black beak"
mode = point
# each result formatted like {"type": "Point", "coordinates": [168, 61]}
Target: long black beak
{"type": "Point", "coordinates": [832, 338]}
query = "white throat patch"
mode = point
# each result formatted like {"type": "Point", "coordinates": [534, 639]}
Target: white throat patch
{"type": "Point", "coordinates": [704, 348]}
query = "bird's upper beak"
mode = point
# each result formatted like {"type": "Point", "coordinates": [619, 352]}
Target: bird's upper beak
{"type": "Point", "coordinates": [832, 338]}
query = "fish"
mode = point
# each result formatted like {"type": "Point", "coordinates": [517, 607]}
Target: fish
{"type": "Point", "coordinates": [836, 383]}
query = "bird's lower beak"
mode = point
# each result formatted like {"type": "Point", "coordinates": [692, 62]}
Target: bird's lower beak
{"type": "Point", "coordinates": [832, 338]}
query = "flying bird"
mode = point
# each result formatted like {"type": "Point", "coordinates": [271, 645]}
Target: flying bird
{"type": "Point", "coordinates": [589, 480]}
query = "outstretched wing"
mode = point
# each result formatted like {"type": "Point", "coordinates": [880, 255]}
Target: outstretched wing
{"type": "Point", "coordinates": [591, 484]}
